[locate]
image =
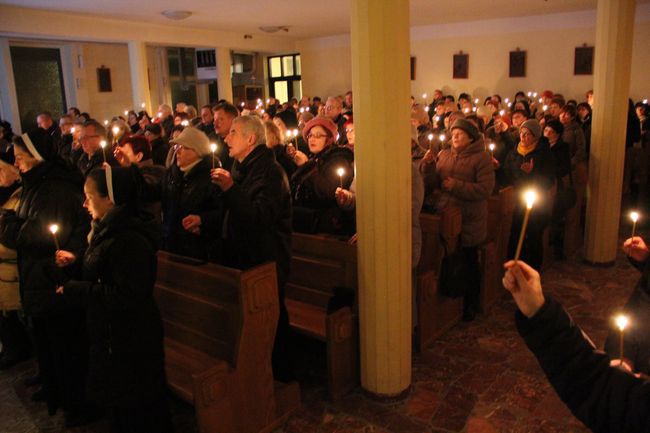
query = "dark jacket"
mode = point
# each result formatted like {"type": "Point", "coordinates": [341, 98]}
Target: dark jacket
{"type": "Point", "coordinates": [86, 164]}
{"type": "Point", "coordinates": [562, 158]}
{"type": "Point", "coordinates": [605, 398]}
{"type": "Point", "coordinates": [126, 365]}
{"type": "Point", "coordinates": [51, 194]}
{"type": "Point", "coordinates": [472, 174]}
{"type": "Point", "coordinates": [185, 194]}
{"type": "Point", "coordinates": [287, 164]}
{"type": "Point", "coordinates": [504, 143]}
{"type": "Point", "coordinates": [574, 137]}
{"type": "Point", "coordinates": [159, 151]}
{"type": "Point", "coordinates": [313, 188]}
{"type": "Point", "coordinates": [258, 214]}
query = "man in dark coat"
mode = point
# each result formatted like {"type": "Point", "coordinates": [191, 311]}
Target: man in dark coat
{"type": "Point", "coordinates": [257, 222]}
{"type": "Point", "coordinates": [190, 202]}
{"type": "Point", "coordinates": [93, 134]}
{"type": "Point", "coordinates": [46, 123]}
{"type": "Point", "coordinates": [51, 195]}
{"type": "Point", "coordinates": [224, 114]}
{"type": "Point", "coordinates": [607, 399]}
{"type": "Point", "coordinates": [334, 112]}
{"type": "Point", "coordinates": [159, 147]}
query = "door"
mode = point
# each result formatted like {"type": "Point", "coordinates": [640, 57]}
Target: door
{"type": "Point", "coordinates": [39, 83]}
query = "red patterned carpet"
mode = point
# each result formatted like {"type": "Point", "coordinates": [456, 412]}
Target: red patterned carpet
{"type": "Point", "coordinates": [479, 377]}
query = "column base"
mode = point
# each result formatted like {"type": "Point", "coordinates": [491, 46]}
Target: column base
{"type": "Point", "coordinates": [387, 398]}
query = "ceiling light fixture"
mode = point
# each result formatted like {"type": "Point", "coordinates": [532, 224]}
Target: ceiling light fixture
{"type": "Point", "coordinates": [176, 15]}
{"type": "Point", "coordinates": [274, 29]}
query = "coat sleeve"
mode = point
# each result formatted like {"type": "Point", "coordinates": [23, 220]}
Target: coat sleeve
{"type": "Point", "coordinates": [605, 398]}
{"type": "Point", "coordinates": [262, 205]}
{"type": "Point", "coordinates": [131, 264]}
{"type": "Point", "coordinates": [483, 186]}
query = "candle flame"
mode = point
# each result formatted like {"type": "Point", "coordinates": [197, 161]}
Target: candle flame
{"type": "Point", "coordinates": [143, 105]}
{"type": "Point", "coordinates": [160, 115]}
{"type": "Point", "coordinates": [268, 100]}
{"type": "Point", "coordinates": [534, 94]}
{"type": "Point", "coordinates": [426, 108]}
{"type": "Point", "coordinates": [243, 104]}
{"type": "Point", "coordinates": [540, 100]}
{"type": "Point", "coordinates": [502, 112]}
{"type": "Point", "coordinates": [340, 171]}
{"type": "Point", "coordinates": [126, 112]}
{"type": "Point", "coordinates": [645, 101]}
{"type": "Point", "coordinates": [54, 228]}
{"type": "Point", "coordinates": [437, 118]}
{"type": "Point", "coordinates": [476, 101]}
{"type": "Point", "coordinates": [185, 123]}
{"type": "Point", "coordinates": [473, 108]}
{"type": "Point", "coordinates": [295, 133]}
{"type": "Point", "coordinates": [509, 104]}
{"type": "Point", "coordinates": [545, 107]}
{"type": "Point", "coordinates": [102, 144]}
{"type": "Point", "coordinates": [466, 110]}
{"type": "Point", "coordinates": [213, 147]}
{"type": "Point", "coordinates": [105, 122]}
{"type": "Point", "coordinates": [116, 130]}
{"type": "Point", "coordinates": [507, 100]}
{"type": "Point", "coordinates": [491, 146]}
{"type": "Point", "coordinates": [73, 130]}
{"type": "Point", "coordinates": [530, 94]}
{"type": "Point", "coordinates": [442, 137]}
{"type": "Point", "coordinates": [530, 197]}
{"type": "Point", "coordinates": [424, 96]}
{"type": "Point", "coordinates": [430, 137]}
{"type": "Point", "coordinates": [634, 216]}
{"type": "Point", "coordinates": [621, 322]}
{"type": "Point", "coordinates": [302, 109]}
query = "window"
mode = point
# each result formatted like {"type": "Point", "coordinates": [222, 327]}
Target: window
{"type": "Point", "coordinates": [284, 77]}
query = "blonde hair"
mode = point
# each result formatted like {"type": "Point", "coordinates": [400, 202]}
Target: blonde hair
{"type": "Point", "coordinates": [273, 134]}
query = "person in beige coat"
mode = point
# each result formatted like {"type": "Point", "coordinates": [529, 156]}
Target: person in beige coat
{"type": "Point", "coordinates": [466, 180]}
{"type": "Point", "coordinates": [14, 339]}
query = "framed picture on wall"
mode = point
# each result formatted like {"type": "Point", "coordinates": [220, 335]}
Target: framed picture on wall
{"type": "Point", "coordinates": [461, 65]}
{"type": "Point", "coordinates": [104, 79]}
{"type": "Point", "coordinates": [412, 68]}
{"type": "Point", "coordinates": [517, 63]}
{"type": "Point", "coordinates": [584, 61]}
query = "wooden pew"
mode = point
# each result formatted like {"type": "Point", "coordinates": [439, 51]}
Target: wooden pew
{"type": "Point", "coordinates": [435, 313]}
{"type": "Point", "coordinates": [323, 268]}
{"type": "Point", "coordinates": [219, 332]}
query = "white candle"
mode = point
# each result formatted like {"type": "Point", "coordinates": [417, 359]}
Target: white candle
{"type": "Point", "coordinates": [103, 146]}
{"type": "Point", "coordinates": [476, 101]}
{"type": "Point", "coordinates": [634, 216]}
{"type": "Point", "coordinates": [185, 123]}
{"type": "Point", "coordinates": [621, 324]}
{"type": "Point", "coordinates": [341, 172]}
{"type": "Point", "coordinates": [213, 148]}
{"type": "Point", "coordinates": [545, 107]}
{"type": "Point", "coordinates": [491, 147]}
{"type": "Point", "coordinates": [54, 228]}
{"type": "Point", "coordinates": [530, 197]}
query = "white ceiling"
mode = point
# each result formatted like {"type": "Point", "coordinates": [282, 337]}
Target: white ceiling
{"type": "Point", "coordinates": [306, 18]}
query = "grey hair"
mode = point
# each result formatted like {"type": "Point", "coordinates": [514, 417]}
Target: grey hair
{"type": "Point", "coordinates": [252, 125]}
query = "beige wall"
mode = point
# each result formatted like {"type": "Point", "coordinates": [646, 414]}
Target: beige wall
{"type": "Point", "coordinates": [104, 105]}
{"type": "Point", "coordinates": [549, 41]}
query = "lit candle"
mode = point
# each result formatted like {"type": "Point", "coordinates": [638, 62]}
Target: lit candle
{"type": "Point", "coordinates": [621, 323]}
{"type": "Point", "coordinates": [507, 100]}
{"type": "Point", "coordinates": [474, 109]}
{"type": "Point", "coordinates": [185, 123]}
{"type": "Point", "coordinates": [466, 110]}
{"type": "Point", "coordinates": [540, 100]}
{"type": "Point", "coordinates": [491, 147]}
{"type": "Point", "coordinates": [160, 115]}
{"type": "Point", "coordinates": [430, 137]}
{"type": "Point", "coordinates": [143, 105]}
{"type": "Point", "coordinates": [116, 133]}
{"type": "Point", "coordinates": [634, 216]}
{"type": "Point", "coordinates": [426, 108]}
{"type": "Point", "coordinates": [509, 104]}
{"type": "Point", "coordinates": [126, 112]}
{"type": "Point", "coordinates": [243, 104]}
{"type": "Point", "coordinates": [105, 122]}
{"type": "Point", "coordinates": [545, 107]}
{"type": "Point", "coordinates": [302, 109]}
{"type": "Point", "coordinates": [442, 138]}
{"type": "Point", "coordinates": [502, 112]}
{"type": "Point", "coordinates": [54, 228]}
{"type": "Point", "coordinates": [424, 97]}
{"type": "Point", "coordinates": [103, 145]}
{"type": "Point", "coordinates": [645, 101]}
{"type": "Point", "coordinates": [213, 148]}
{"type": "Point", "coordinates": [268, 101]}
{"type": "Point", "coordinates": [530, 197]}
{"type": "Point", "coordinates": [341, 172]}
{"type": "Point", "coordinates": [259, 101]}
{"type": "Point", "coordinates": [530, 94]}
{"type": "Point", "coordinates": [476, 101]}
{"type": "Point", "coordinates": [534, 94]}
{"type": "Point", "coordinates": [437, 119]}
{"type": "Point", "coordinates": [73, 130]}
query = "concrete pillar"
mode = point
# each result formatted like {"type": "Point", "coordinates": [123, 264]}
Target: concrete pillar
{"type": "Point", "coordinates": [224, 76]}
{"type": "Point", "coordinates": [381, 87]}
{"type": "Point", "coordinates": [613, 56]}
{"type": "Point", "coordinates": [140, 76]}
{"type": "Point", "coordinates": [8, 97]}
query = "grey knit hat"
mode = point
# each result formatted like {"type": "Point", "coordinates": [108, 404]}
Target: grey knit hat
{"type": "Point", "coordinates": [468, 127]}
{"type": "Point", "coordinates": [534, 127]}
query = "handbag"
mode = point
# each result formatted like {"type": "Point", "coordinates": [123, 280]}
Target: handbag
{"type": "Point", "coordinates": [566, 196]}
{"type": "Point", "coordinates": [454, 279]}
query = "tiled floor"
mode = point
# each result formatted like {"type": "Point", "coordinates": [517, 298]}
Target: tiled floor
{"type": "Point", "coordinates": [479, 377]}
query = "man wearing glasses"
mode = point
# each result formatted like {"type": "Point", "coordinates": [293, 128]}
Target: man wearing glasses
{"type": "Point", "coordinates": [92, 134]}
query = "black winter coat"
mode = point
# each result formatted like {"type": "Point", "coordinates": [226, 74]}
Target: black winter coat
{"type": "Point", "coordinates": [258, 214]}
{"type": "Point", "coordinates": [159, 151]}
{"type": "Point", "coordinates": [605, 398]}
{"type": "Point", "coordinates": [313, 188]}
{"type": "Point", "coordinates": [52, 194]}
{"type": "Point", "coordinates": [191, 194]}
{"type": "Point", "coordinates": [126, 365]}
{"type": "Point", "coordinates": [86, 164]}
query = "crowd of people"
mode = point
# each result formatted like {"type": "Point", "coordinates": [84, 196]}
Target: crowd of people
{"type": "Point", "coordinates": [229, 185]}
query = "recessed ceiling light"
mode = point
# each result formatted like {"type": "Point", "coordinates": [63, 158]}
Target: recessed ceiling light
{"type": "Point", "coordinates": [176, 15]}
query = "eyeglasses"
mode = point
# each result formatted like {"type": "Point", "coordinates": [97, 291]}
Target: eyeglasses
{"type": "Point", "coordinates": [316, 136]}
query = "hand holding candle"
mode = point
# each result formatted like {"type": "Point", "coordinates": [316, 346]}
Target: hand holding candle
{"type": "Point", "coordinates": [430, 137]}
{"type": "Point", "coordinates": [54, 228]}
{"type": "Point", "coordinates": [215, 160]}
{"type": "Point", "coordinates": [634, 216]}
{"type": "Point", "coordinates": [530, 197]}
{"type": "Point", "coordinates": [491, 146]}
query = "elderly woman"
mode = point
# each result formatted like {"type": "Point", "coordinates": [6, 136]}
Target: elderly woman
{"type": "Point", "coordinates": [530, 166]}
{"type": "Point", "coordinates": [126, 362]}
{"type": "Point", "coordinates": [14, 339]}
{"type": "Point", "coordinates": [466, 181]}
{"type": "Point", "coordinates": [314, 183]}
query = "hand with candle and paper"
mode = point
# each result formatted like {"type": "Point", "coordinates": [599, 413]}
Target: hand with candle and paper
{"type": "Point", "coordinates": [64, 258]}
{"type": "Point", "coordinates": [524, 283]}
{"type": "Point", "coordinates": [222, 178]}
{"type": "Point", "coordinates": [636, 249]}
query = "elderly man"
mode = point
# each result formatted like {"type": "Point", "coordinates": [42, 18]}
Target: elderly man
{"type": "Point", "coordinates": [92, 135]}
{"type": "Point", "coordinates": [334, 112]}
{"type": "Point", "coordinates": [166, 117]}
{"type": "Point", "coordinates": [257, 222]}
{"type": "Point", "coordinates": [224, 114]}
